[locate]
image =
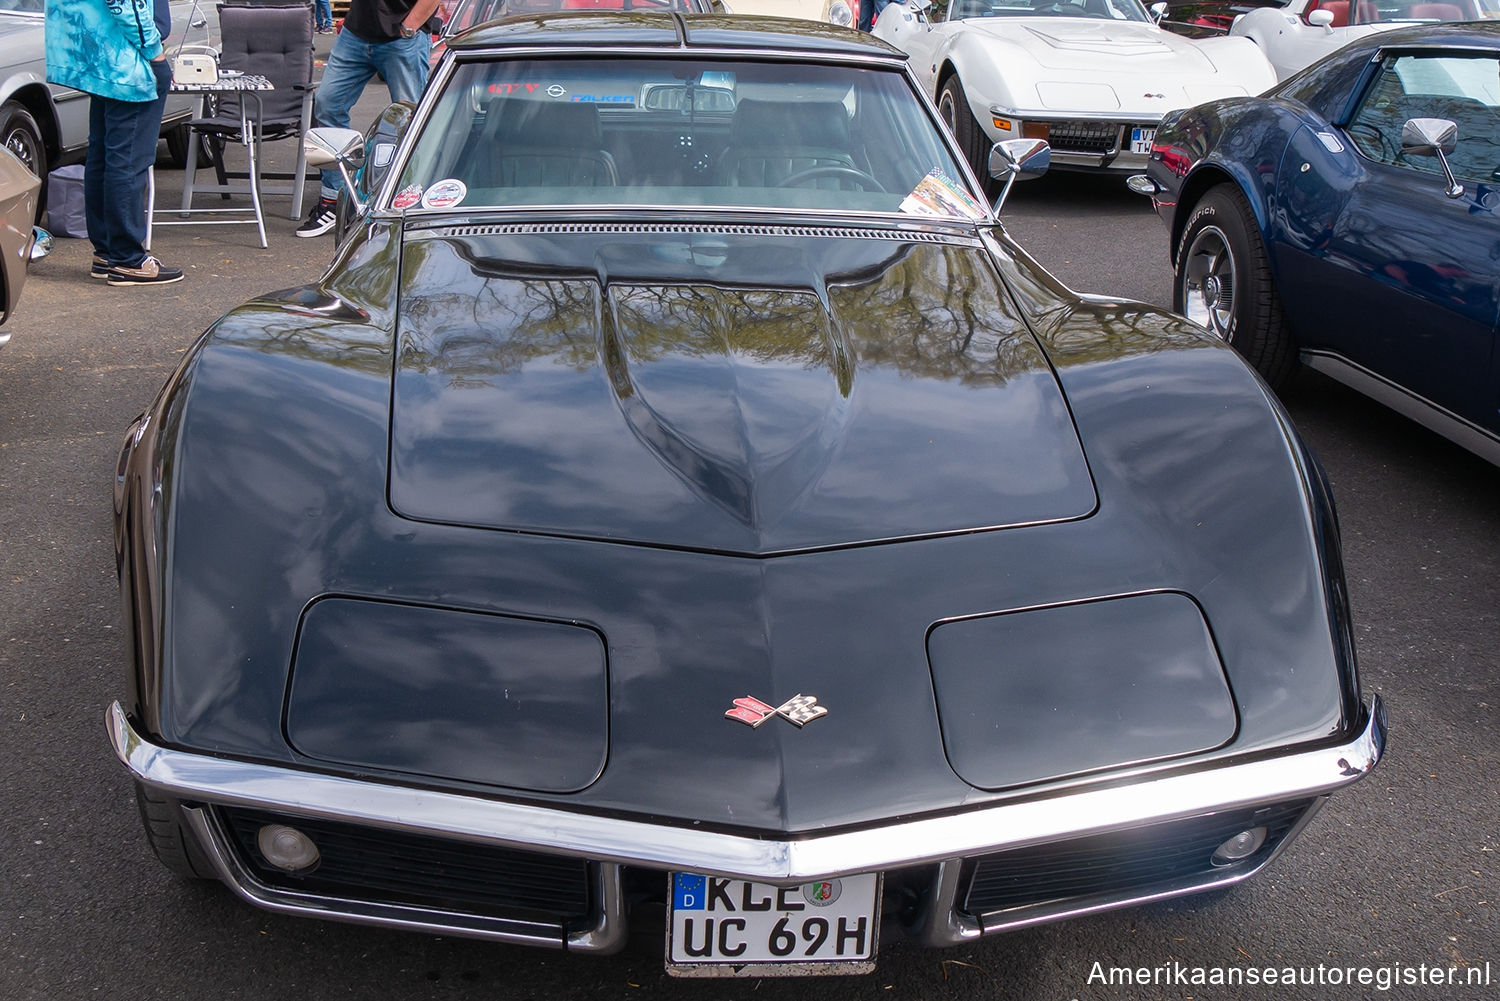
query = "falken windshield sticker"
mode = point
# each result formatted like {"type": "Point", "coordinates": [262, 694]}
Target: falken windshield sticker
{"type": "Point", "coordinates": [444, 194]}
{"type": "Point", "coordinates": [938, 194]}
{"type": "Point", "coordinates": [624, 99]}
{"type": "Point", "coordinates": [407, 197]}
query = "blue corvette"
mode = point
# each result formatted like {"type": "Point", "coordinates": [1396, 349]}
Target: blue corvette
{"type": "Point", "coordinates": [1349, 219]}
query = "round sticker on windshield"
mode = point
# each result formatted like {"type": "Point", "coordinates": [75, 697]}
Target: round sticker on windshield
{"type": "Point", "coordinates": [444, 194]}
{"type": "Point", "coordinates": [407, 197]}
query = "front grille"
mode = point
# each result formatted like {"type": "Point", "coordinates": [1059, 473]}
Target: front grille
{"type": "Point", "coordinates": [374, 865]}
{"type": "Point", "coordinates": [1122, 863]}
{"type": "Point", "coordinates": [1084, 137]}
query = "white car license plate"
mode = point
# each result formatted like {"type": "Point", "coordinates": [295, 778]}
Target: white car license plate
{"type": "Point", "coordinates": [1141, 140]}
{"type": "Point", "coordinates": [719, 927]}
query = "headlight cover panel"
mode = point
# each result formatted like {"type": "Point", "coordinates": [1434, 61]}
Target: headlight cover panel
{"type": "Point", "coordinates": [450, 694]}
{"type": "Point", "coordinates": [1046, 693]}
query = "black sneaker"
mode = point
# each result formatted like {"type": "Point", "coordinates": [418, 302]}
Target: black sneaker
{"type": "Point", "coordinates": [149, 272]}
{"type": "Point", "coordinates": [321, 219]}
{"type": "Point", "coordinates": [100, 268]}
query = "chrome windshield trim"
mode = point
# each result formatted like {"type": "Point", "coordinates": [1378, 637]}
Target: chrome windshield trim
{"type": "Point", "coordinates": [870, 57]}
{"type": "Point", "coordinates": [893, 224]}
{"type": "Point", "coordinates": [1298, 774]}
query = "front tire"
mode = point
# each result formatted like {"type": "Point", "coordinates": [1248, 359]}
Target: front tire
{"type": "Point", "coordinates": [174, 846]}
{"type": "Point", "coordinates": [1222, 280]}
{"type": "Point", "coordinates": [953, 107]}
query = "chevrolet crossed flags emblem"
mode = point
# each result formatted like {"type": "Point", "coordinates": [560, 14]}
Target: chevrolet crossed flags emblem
{"type": "Point", "coordinates": [799, 709]}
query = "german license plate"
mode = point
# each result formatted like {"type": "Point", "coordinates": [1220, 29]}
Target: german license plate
{"type": "Point", "coordinates": [1141, 140]}
{"type": "Point", "coordinates": [720, 927]}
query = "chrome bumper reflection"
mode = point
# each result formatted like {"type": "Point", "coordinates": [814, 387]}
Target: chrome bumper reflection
{"type": "Point", "coordinates": [613, 841]}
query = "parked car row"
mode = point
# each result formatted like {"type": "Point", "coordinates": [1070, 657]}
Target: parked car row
{"type": "Point", "coordinates": [681, 495]}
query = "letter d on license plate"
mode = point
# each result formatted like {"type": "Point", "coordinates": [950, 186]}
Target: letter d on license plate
{"type": "Point", "coordinates": [718, 927]}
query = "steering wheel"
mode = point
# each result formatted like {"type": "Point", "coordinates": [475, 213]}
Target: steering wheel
{"type": "Point", "coordinates": [832, 170]}
{"type": "Point", "coordinates": [1368, 131]}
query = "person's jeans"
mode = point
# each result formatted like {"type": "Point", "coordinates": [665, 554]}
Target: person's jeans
{"type": "Point", "coordinates": [323, 14]}
{"type": "Point", "coordinates": [122, 147]}
{"type": "Point", "coordinates": [351, 64]}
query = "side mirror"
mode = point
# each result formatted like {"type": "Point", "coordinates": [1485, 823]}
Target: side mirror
{"type": "Point", "coordinates": [381, 142]}
{"type": "Point", "coordinates": [326, 147]}
{"type": "Point", "coordinates": [1433, 137]}
{"type": "Point", "coordinates": [1158, 11]}
{"type": "Point", "coordinates": [1321, 18]}
{"type": "Point", "coordinates": [1014, 160]}
{"type": "Point", "coordinates": [919, 6]}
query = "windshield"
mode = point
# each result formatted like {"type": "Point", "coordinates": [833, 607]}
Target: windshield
{"type": "Point", "coordinates": [1109, 10]}
{"type": "Point", "coordinates": [681, 132]}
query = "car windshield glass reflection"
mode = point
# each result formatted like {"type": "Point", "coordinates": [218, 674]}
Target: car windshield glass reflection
{"type": "Point", "coordinates": [682, 133]}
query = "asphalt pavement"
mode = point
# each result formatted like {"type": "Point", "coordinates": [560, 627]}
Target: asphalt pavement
{"type": "Point", "coordinates": [1398, 873]}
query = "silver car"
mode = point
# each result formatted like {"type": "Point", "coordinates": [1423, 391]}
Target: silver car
{"type": "Point", "coordinates": [44, 124]}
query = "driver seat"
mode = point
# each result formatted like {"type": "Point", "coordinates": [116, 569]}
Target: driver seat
{"type": "Point", "coordinates": [770, 141]}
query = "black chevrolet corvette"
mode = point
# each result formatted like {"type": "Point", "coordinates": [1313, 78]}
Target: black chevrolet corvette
{"type": "Point", "coordinates": [680, 491]}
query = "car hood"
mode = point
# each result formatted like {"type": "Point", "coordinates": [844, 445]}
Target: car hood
{"type": "Point", "coordinates": [1112, 69]}
{"type": "Point", "coordinates": [744, 390]}
{"type": "Point", "coordinates": [1083, 44]}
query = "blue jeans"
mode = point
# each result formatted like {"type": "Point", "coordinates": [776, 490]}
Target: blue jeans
{"type": "Point", "coordinates": [122, 147]}
{"type": "Point", "coordinates": [351, 64]}
{"type": "Point", "coordinates": [323, 14]}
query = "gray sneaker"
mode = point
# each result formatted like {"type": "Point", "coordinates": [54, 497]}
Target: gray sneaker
{"type": "Point", "coordinates": [149, 272]}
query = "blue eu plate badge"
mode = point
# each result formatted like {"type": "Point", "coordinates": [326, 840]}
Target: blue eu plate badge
{"type": "Point", "coordinates": [688, 892]}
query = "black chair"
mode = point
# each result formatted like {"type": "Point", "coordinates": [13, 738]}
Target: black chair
{"type": "Point", "coordinates": [770, 141]}
{"type": "Point", "coordinates": [276, 42]}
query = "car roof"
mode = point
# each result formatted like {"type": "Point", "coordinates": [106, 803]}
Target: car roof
{"type": "Point", "coordinates": [1448, 34]}
{"type": "Point", "coordinates": [612, 29]}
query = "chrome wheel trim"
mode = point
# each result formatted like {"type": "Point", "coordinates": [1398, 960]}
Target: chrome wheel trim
{"type": "Point", "coordinates": [25, 145]}
{"type": "Point", "coordinates": [1208, 279]}
{"type": "Point", "coordinates": [947, 110]}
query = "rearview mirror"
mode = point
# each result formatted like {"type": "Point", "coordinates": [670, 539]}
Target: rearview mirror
{"type": "Point", "coordinates": [1433, 137]}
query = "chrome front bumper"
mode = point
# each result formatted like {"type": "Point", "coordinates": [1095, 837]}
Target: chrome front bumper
{"type": "Point", "coordinates": [611, 842]}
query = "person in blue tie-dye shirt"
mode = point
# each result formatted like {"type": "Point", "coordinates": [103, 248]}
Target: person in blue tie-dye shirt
{"type": "Point", "coordinates": [112, 51]}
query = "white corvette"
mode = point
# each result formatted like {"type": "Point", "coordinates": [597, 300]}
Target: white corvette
{"type": "Point", "coordinates": [1305, 31]}
{"type": "Point", "coordinates": [1092, 77]}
